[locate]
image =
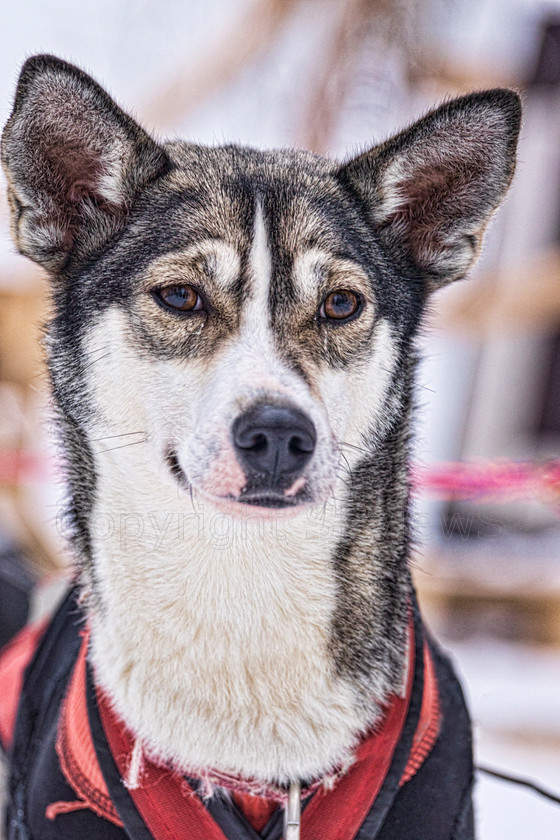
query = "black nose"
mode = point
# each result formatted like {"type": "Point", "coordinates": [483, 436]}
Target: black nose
{"type": "Point", "coordinates": [274, 443]}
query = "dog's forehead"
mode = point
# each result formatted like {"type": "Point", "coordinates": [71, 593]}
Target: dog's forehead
{"type": "Point", "coordinates": [221, 189]}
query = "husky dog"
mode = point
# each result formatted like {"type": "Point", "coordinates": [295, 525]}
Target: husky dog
{"type": "Point", "coordinates": [232, 353]}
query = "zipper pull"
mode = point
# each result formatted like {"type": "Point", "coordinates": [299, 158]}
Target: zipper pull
{"type": "Point", "coordinates": [292, 813]}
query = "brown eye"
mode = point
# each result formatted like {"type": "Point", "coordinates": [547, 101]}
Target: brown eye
{"type": "Point", "coordinates": [340, 305]}
{"type": "Point", "coordinates": [180, 298]}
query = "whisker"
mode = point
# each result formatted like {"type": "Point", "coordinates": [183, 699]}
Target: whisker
{"type": "Point", "coordinates": [94, 353]}
{"type": "Point", "coordinates": [124, 434]}
{"type": "Point", "coordinates": [100, 349]}
{"type": "Point", "coordinates": [353, 446]}
{"type": "Point", "coordinates": [123, 446]}
{"type": "Point", "coordinates": [40, 391]}
{"type": "Point", "coordinates": [93, 362]}
{"type": "Point", "coordinates": [342, 473]}
{"type": "Point", "coordinates": [346, 462]}
{"type": "Point", "coordinates": [41, 375]}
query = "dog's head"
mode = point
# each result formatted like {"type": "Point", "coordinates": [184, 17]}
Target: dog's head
{"type": "Point", "coordinates": [248, 313]}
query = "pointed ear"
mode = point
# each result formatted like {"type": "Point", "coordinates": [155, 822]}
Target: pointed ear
{"type": "Point", "coordinates": [74, 162]}
{"type": "Point", "coordinates": [431, 190]}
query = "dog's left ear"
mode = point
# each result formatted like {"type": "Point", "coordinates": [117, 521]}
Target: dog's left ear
{"type": "Point", "coordinates": [431, 189]}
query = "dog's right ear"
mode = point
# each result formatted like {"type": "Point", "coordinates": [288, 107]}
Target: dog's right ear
{"type": "Point", "coordinates": [71, 156]}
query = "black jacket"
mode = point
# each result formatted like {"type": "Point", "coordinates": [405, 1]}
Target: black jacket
{"type": "Point", "coordinates": [434, 805]}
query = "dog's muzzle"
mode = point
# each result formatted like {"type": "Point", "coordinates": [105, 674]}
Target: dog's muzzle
{"type": "Point", "coordinates": [273, 444]}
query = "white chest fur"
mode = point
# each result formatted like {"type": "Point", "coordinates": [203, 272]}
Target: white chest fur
{"type": "Point", "coordinates": [212, 639]}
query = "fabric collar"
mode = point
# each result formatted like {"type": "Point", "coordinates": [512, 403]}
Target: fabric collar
{"type": "Point", "coordinates": [168, 805]}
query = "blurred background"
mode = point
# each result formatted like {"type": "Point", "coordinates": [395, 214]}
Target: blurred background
{"type": "Point", "coordinates": [336, 76]}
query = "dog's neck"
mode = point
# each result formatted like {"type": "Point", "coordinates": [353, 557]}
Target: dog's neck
{"type": "Point", "coordinates": [218, 639]}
